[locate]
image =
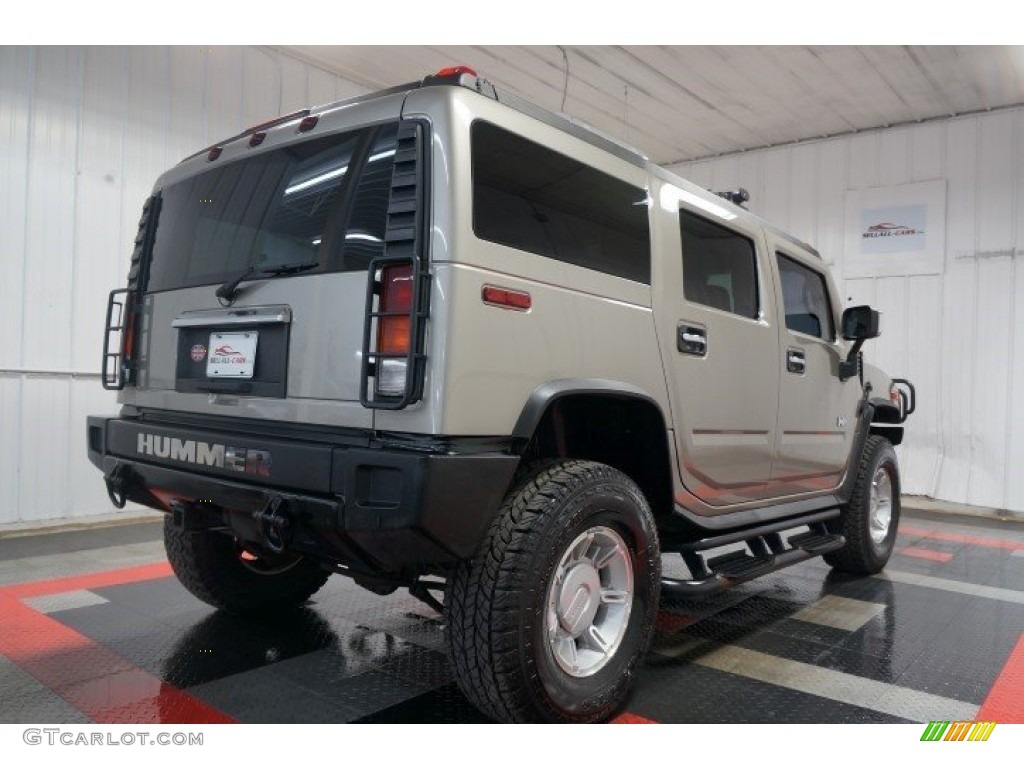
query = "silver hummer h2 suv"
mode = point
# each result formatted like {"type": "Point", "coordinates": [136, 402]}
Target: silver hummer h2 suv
{"type": "Point", "coordinates": [438, 338]}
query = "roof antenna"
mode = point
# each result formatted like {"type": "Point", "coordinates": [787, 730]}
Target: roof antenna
{"type": "Point", "coordinates": [565, 79]}
{"type": "Point", "coordinates": [737, 196]}
{"type": "Point", "coordinates": [625, 109]}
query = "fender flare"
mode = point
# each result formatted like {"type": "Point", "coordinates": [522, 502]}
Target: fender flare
{"type": "Point", "coordinates": [541, 399]}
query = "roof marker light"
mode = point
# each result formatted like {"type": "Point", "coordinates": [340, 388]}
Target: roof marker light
{"type": "Point", "coordinates": [456, 71]}
{"type": "Point", "coordinates": [214, 153]}
{"type": "Point", "coordinates": [256, 139]}
{"type": "Point", "coordinates": [308, 123]}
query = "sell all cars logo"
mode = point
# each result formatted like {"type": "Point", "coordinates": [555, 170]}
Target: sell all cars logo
{"type": "Point", "coordinates": [888, 229]}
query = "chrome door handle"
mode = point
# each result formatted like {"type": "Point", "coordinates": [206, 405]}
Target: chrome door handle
{"type": "Point", "coordinates": [692, 339]}
{"type": "Point", "coordinates": [796, 362]}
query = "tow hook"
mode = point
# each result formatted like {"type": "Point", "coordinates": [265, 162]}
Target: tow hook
{"type": "Point", "coordinates": [116, 483]}
{"type": "Point", "coordinates": [274, 525]}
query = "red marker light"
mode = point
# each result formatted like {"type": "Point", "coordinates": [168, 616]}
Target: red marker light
{"type": "Point", "coordinates": [456, 71]}
{"type": "Point", "coordinates": [308, 123]}
{"type": "Point", "coordinates": [503, 297]}
{"type": "Point", "coordinates": [256, 139]}
{"type": "Point", "coordinates": [214, 153]}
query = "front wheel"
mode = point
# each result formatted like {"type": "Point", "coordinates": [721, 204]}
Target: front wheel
{"type": "Point", "coordinates": [870, 519]}
{"type": "Point", "coordinates": [551, 619]}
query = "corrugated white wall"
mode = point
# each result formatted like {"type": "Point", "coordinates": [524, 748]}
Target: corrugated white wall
{"type": "Point", "coordinates": [84, 132]}
{"type": "Point", "coordinates": [956, 335]}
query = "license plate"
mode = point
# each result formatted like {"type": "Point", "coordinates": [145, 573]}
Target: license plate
{"type": "Point", "coordinates": [232, 355]}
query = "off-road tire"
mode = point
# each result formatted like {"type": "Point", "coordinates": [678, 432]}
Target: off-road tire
{"type": "Point", "coordinates": [861, 555]}
{"type": "Point", "coordinates": [495, 602]}
{"type": "Point", "coordinates": [208, 565]}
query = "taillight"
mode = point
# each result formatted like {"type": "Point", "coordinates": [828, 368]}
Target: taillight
{"type": "Point", "coordinates": [128, 337]}
{"type": "Point", "coordinates": [394, 329]}
{"type": "Point", "coordinates": [128, 334]}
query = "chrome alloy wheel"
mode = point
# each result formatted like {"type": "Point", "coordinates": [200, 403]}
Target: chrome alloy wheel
{"type": "Point", "coordinates": [589, 601]}
{"type": "Point", "coordinates": [881, 505]}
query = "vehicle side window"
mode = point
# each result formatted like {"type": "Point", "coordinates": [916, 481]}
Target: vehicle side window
{"type": "Point", "coordinates": [529, 197]}
{"type": "Point", "coordinates": [805, 299]}
{"type": "Point", "coordinates": [719, 266]}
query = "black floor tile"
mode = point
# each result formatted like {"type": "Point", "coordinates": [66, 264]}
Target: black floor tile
{"type": "Point", "coordinates": [350, 655]}
{"type": "Point", "coordinates": [694, 694]}
{"type": "Point", "coordinates": [442, 705]}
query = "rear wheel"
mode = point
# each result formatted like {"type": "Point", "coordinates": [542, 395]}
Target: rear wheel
{"type": "Point", "coordinates": [870, 519]}
{"type": "Point", "coordinates": [551, 619]}
{"type": "Point", "coordinates": [219, 571]}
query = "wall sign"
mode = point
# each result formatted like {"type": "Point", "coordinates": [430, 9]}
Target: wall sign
{"type": "Point", "coordinates": [896, 230]}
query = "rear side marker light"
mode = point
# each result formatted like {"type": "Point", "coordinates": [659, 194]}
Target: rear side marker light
{"type": "Point", "coordinates": [503, 297]}
{"type": "Point", "coordinates": [456, 71]}
{"type": "Point", "coordinates": [308, 123]}
{"type": "Point", "coordinates": [214, 153]}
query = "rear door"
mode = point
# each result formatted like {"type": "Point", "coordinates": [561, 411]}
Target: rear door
{"type": "Point", "coordinates": [723, 364]}
{"type": "Point", "coordinates": [817, 412]}
{"type": "Point", "coordinates": [289, 345]}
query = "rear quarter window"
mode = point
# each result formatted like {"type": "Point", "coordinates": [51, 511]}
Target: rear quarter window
{"type": "Point", "coordinates": [534, 199]}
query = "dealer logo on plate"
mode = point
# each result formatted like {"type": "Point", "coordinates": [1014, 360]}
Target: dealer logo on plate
{"type": "Point", "coordinates": [198, 353]}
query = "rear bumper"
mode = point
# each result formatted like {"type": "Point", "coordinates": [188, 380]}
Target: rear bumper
{"type": "Point", "coordinates": [374, 509]}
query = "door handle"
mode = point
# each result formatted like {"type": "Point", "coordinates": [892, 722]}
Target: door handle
{"type": "Point", "coordinates": [796, 362]}
{"type": "Point", "coordinates": [692, 339]}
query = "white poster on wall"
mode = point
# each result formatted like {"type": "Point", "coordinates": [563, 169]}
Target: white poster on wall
{"type": "Point", "coordinates": [896, 230]}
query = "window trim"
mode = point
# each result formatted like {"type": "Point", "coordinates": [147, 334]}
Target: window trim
{"type": "Point", "coordinates": [783, 254]}
{"type": "Point", "coordinates": [752, 237]}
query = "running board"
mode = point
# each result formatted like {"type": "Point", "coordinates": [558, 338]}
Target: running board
{"type": "Point", "coordinates": [732, 568]}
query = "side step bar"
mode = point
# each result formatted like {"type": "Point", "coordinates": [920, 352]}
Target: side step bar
{"type": "Point", "coordinates": [770, 554]}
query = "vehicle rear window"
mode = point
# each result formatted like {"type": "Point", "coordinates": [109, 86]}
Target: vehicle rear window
{"type": "Point", "coordinates": [529, 197]}
{"type": "Point", "coordinates": [719, 266]}
{"type": "Point", "coordinates": [324, 200]}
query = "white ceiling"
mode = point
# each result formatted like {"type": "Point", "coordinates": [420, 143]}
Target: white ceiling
{"type": "Point", "coordinates": [679, 103]}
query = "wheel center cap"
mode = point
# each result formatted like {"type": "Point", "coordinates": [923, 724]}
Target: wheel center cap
{"type": "Point", "coordinates": [579, 599]}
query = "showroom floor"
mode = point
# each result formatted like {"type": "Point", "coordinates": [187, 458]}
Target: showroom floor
{"type": "Point", "coordinates": [94, 628]}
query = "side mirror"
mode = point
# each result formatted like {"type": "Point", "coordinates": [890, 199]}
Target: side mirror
{"type": "Point", "coordinates": [860, 323]}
